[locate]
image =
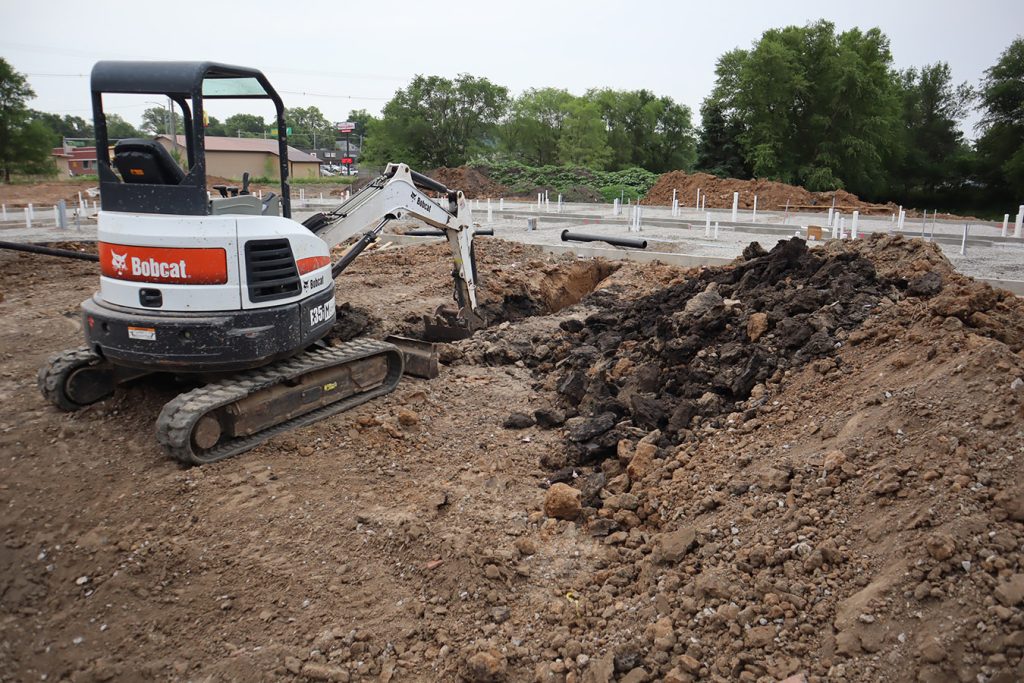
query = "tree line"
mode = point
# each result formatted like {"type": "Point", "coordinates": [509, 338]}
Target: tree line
{"type": "Point", "coordinates": [804, 104]}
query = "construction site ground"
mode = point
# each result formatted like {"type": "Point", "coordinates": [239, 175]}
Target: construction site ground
{"type": "Point", "coordinates": [838, 498]}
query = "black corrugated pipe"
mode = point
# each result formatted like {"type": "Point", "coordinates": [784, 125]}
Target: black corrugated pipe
{"type": "Point", "coordinates": [48, 251]}
{"type": "Point", "coordinates": [430, 232]}
{"type": "Point", "coordinates": [634, 242]}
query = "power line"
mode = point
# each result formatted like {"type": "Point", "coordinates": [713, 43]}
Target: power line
{"type": "Point", "coordinates": [339, 97]}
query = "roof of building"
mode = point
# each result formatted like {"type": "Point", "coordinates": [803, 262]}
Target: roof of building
{"type": "Point", "coordinates": [269, 146]}
{"type": "Point", "coordinates": [75, 153]}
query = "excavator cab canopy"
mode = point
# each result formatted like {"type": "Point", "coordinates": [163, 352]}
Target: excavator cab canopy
{"type": "Point", "coordinates": [150, 180]}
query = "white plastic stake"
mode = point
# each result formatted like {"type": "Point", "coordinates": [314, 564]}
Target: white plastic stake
{"type": "Point", "coordinates": [31, 211]}
{"type": "Point", "coordinates": [842, 226]}
{"type": "Point", "coordinates": [559, 203]}
{"type": "Point", "coordinates": [703, 201]}
{"type": "Point", "coordinates": [716, 230]}
{"type": "Point", "coordinates": [675, 206]}
{"type": "Point", "coordinates": [259, 193]}
{"type": "Point", "coordinates": [674, 193]}
{"type": "Point", "coordinates": [490, 211]}
{"type": "Point", "coordinates": [735, 205]}
{"type": "Point", "coordinates": [1006, 222]}
{"type": "Point", "coordinates": [963, 242]}
{"type": "Point", "coordinates": [753, 215]}
{"type": "Point", "coordinates": [831, 216]}
{"type": "Point", "coordinates": [853, 225]}
{"type": "Point", "coordinates": [501, 204]}
{"type": "Point", "coordinates": [707, 225]}
{"type": "Point", "coordinates": [540, 195]}
{"type": "Point", "coordinates": [1017, 227]}
{"type": "Point", "coordinates": [615, 207]}
{"type": "Point", "coordinates": [698, 205]}
{"type": "Point", "coordinates": [4, 211]}
{"type": "Point", "coordinates": [80, 203]}
{"type": "Point", "coordinates": [28, 219]}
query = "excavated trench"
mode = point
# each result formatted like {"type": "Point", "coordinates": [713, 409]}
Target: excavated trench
{"type": "Point", "coordinates": [518, 293]}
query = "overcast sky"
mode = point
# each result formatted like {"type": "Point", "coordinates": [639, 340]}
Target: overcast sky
{"type": "Point", "coordinates": [349, 55]}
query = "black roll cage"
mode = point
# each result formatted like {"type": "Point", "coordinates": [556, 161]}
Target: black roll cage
{"type": "Point", "coordinates": [180, 82]}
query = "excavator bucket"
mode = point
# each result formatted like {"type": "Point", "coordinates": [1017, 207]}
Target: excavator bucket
{"type": "Point", "coordinates": [448, 325]}
{"type": "Point", "coordinates": [420, 356]}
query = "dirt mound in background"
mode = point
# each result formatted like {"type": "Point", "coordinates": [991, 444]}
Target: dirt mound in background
{"type": "Point", "coordinates": [472, 181]}
{"type": "Point", "coordinates": [771, 195]}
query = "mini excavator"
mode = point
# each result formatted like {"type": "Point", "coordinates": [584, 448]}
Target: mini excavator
{"type": "Point", "coordinates": [229, 288]}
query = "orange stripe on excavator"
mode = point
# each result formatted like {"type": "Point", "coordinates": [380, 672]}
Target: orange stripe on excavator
{"type": "Point", "coordinates": [311, 263]}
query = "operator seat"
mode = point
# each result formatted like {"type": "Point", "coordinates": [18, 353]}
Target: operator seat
{"type": "Point", "coordinates": [139, 160]}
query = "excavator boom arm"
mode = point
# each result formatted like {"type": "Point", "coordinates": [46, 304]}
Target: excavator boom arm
{"type": "Point", "coordinates": [396, 194]}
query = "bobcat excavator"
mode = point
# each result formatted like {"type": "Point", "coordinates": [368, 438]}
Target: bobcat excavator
{"type": "Point", "coordinates": [227, 287]}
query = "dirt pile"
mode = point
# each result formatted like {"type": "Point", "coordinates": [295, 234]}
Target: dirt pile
{"type": "Point", "coordinates": [473, 182]}
{"type": "Point", "coordinates": [809, 464]}
{"type": "Point", "coordinates": [771, 195]}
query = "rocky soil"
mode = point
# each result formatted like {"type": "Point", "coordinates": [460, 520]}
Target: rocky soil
{"type": "Point", "coordinates": [805, 466]}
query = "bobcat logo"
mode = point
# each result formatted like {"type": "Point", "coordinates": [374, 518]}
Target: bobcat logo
{"type": "Point", "coordinates": [118, 261]}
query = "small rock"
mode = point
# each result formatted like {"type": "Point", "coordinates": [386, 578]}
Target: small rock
{"type": "Point", "coordinates": [757, 325]}
{"type": "Point", "coordinates": [932, 651]}
{"type": "Point", "coordinates": [562, 502]}
{"type": "Point", "coordinates": [1011, 592]}
{"type": "Point", "coordinates": [549, 419]}
{"type": "Point", "coordinates": [940, 546]}
{"type": "Point", "coordinates": [760, 636]}
{"type": "Point", "coordinates": [518, 421]}
{"type": "Point", "coordinates": [525, 546]}
{"type": "Point", "coordinates": [674, 545]}
{"type": "Point", "coordinates": [486, 667]}
{"type": "Point", "coordinates": [293, 665]}
{"type": "Point", "coordinates": [408, 418]}
{"type": "Point", "coordinates": [305, 451]}
{"type": "Point", "coordinates": [589, 428]}
{"type": "Point", "coordinates": [688, 664]}
{"type": "Point", "coordinates": [928, 284]}
{"type": "Point", "coordinates": [324, 672]}
{"type": "Point", "coordinates": [833, 460]}
{"type": "Point", "coordinates": [642, 461]}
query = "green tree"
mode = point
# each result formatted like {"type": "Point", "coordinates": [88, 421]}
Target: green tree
{"type": "Point", "coordinates": [25, 145]}
{"type": "Point", "coordinates": [1001, 145]}
{"type": "Point", "coordinates": [436, 121]}
{"type": "Point", "coordinates": [215, 127]}
{"type": "Point", "coordinates": [155, 121]}
{"type": "Point", "coordinates": [813, 107]}
{"type": "Point", "coordinates": [719, 150]}
{"type": "Point", "coordinates": [533, 128]}
{"type": "Point", "coordinates": [583, 140]}
{"type": "Point", "coordinates": [933, 155]}
{"type": "Point", "coordinates": [361, 118]}
{"type": "Point", "coordinates": [61, 127]}
{"type": "Point", "coordinates": [245, 126]}
{"type": "Point", "coordinates": [119, 129]}
{"type": "Point", "coordinates": [310, 128]}
{"type": "Point", "coordinates": [646, 130]}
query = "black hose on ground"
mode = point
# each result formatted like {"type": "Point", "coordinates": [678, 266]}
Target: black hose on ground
{"type": "Point", "coordinates": [48, 251]}
{"type": "Point", "coordinates": [633, 242]}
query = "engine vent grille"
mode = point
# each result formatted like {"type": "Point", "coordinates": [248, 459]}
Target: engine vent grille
{"type": "Point", "coordinates": [270, 270]}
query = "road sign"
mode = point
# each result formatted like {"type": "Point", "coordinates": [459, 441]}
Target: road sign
{"type": "Point", "coordinates": [346, 160]}
{"type": "Point", "coordinates": [346, 126]}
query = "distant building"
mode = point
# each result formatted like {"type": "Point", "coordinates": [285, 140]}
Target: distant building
{"type": "Point", "coordinates": [74, 161]}
{"type": "Point", "coordinates": [225, 158]}
{"type": "Point", "coordinates": [231, 157]}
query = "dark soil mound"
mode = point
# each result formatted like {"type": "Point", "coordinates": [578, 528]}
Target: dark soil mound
{"type": "Point", "coordinates": [696, 350]}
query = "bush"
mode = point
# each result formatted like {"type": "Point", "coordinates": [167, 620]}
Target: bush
{"type": "Point", "coordinates": [573, 181]}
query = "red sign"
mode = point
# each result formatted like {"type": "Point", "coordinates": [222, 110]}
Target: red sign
{"type": "Point", "coordinates": [346, 127]}
{"type": "Point", "coordinates": [164, 265]}
{"type": "Point", "coordinates": [346, 160]}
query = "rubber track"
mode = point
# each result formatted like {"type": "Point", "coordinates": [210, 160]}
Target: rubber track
{"type": "Point", "coordinates": [180, 415]}
{"type": "Point", "coordinates": [54, 374]}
